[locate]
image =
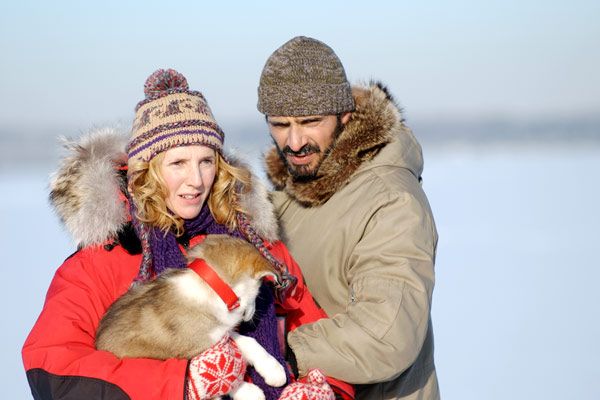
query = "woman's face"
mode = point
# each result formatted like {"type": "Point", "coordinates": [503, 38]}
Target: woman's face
{"type": "Point", "coordinates": [189, 172]}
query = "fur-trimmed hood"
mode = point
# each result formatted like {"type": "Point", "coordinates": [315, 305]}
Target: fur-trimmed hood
{"type": "Point", "coordinates": [87, 190]}
{"type": "Point", "coordinates": [375, 124]}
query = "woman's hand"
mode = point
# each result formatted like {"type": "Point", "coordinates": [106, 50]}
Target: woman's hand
{"type": "Point", "coordinates": [312, 387]}
{"type": "Point", "coordinates": [216, 371]}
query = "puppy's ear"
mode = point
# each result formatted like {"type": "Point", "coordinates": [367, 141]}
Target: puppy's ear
{"type": "Point", "coordinates": [270, 275]}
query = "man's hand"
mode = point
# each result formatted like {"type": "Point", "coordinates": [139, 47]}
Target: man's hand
{"type": "Point", "coordinates": [216, 371]}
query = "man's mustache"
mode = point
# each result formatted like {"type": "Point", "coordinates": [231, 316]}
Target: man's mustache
{"type": "Point", "coordinates": [305, 150]}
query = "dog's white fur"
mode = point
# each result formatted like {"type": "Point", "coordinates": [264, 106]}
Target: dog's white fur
{"type": "Point", "coordinates": [265, 364]}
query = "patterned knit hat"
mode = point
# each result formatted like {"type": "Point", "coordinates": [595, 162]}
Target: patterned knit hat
{"type": "Point", "coordinates": [304, 77]}
{"type": "Point", "coordinates": [171, 115]}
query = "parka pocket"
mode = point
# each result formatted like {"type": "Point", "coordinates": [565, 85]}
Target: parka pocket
{"type": "Point", "coordinates": [375, 304]}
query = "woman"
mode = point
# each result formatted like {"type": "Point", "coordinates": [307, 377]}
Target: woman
{"type": "Point", "coordinates": [134, 214]}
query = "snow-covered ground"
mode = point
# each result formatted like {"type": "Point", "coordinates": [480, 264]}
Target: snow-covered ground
{"type": "Point", "coordinates": [516, 304]}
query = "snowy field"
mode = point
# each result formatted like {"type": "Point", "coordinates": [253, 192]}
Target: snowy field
{"type": "Point", "coordinates": [516, 303]}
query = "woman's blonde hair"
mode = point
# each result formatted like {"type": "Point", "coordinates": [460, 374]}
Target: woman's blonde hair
{"type": "Point", "coordinates": [149, 192]}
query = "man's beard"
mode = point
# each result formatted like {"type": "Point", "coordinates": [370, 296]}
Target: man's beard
{"type": "Point", "coordinates": [306, 173]}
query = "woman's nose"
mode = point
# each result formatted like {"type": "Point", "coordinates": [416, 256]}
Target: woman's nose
{"type": "Point", "coordinates": [195, 177]}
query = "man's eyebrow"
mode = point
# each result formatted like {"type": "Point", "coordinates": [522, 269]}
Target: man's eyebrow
{"type": "Point", "coordinates": [309, 120]}
{"type": "Point", "coordinates": [278, 123]}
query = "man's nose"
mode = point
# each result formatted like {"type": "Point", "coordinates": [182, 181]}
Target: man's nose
{"type": "Point", "coordinates": [295, 139]}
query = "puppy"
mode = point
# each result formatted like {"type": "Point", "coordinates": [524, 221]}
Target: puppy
{"type": "Point", "coordinates": [178, 315]}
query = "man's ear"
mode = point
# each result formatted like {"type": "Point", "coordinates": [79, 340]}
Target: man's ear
{"type": "Point", "coordinates": [346, 117]}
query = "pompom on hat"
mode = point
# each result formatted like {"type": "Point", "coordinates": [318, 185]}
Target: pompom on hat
{"type": "Point", "coordinates": [171, 115]}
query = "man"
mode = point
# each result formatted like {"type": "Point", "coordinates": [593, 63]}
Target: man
{"type": "Point", "coordinates": [347, 172]}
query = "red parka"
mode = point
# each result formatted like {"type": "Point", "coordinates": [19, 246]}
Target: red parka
{"type": "Point", "coordinates": [59, 354]}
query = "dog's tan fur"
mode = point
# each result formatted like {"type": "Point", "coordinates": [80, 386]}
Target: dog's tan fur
{"type": "Point", "coordinates": [178, 314]}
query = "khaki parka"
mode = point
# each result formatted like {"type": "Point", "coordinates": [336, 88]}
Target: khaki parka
{"type": "Point", "coordinates": [364, 236]}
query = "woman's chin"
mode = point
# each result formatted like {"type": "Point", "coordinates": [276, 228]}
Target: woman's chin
{"type": "Point", "coordinates": [188, 212]}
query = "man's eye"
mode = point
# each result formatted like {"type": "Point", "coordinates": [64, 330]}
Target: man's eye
{"type": "Point", "coordinates": [310, 122]}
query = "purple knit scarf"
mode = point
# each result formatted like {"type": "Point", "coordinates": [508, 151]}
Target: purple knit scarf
{"type": "Point", "coordinates": [165, 253]}
{"type": "Point", "coordinates": [263, 328]}
{"type": "Point", "coordinates": [164, 247]}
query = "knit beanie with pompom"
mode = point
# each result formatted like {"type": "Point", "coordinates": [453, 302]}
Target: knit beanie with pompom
{"type": "Point", "coordinates": [171, 115]}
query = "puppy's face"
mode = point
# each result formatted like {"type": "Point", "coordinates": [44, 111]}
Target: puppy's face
{"type": "Point", "coordinates": [239, 264]}
{"type": "Point", "coordinates": [232, 257]}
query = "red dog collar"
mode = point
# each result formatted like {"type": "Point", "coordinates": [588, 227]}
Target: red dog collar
{"type": "Point", "coordinates": [225, 292]}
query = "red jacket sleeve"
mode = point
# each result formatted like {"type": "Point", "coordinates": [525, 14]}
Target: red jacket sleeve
{"type": "Point", "coordinates": [300, 308]}
{"type": "Point", "coordinates": [59, 354]}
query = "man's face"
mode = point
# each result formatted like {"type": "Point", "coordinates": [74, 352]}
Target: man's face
{"type": "Point", "coordinates": [304, 142]}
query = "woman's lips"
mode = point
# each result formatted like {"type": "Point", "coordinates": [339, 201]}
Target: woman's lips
{"type": "Point", "coordinates": [190, 198]}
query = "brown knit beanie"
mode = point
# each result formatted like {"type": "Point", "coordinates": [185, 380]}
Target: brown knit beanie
{"type": "Point", "coordinates": [304, 77]}
{"type": "Point", "coordinates": [171, 115]}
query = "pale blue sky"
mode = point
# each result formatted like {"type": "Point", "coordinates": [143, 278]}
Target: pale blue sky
{"type": "Point", "coordinates": [76, 63]}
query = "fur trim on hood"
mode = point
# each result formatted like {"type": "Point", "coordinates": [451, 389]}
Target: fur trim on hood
{"type": "Point", "coordinates": [376, 122]}
{"type": "Point", "coordinates": [86, 191]}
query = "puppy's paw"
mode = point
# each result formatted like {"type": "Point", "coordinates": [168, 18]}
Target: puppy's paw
{"type": "Point", "coordinates": [273, 373]}
{"type": "Point", "coordinates": [248, 391]}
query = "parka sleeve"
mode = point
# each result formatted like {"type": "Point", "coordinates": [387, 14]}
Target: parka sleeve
{"type": "Point", "coordinates": [300, 308]}
{"type": "Point", "coordinates": [59, 354]}
{"type": "Point", "coordinates": [386, 321]}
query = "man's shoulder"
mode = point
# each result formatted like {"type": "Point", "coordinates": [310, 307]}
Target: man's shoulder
{"type": "Point", "coordinates": [388, 180]}
{"type": "Point", "coordinates": [389, 187]}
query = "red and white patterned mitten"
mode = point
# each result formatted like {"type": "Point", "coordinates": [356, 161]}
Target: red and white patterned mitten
{"type": "Point", "coordinates": [313, 387]}
{"type": "Point", "coordinates": [216, 371]}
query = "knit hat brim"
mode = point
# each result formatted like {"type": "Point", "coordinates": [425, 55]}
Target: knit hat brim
{"type": "Point", "coordinates": [299, 99]}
